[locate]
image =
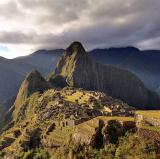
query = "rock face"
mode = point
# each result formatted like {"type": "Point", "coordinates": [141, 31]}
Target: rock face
{"type": "Point", "coordinates": [34, 82]}
{"type": "Point", "coordinates": [79, 70]}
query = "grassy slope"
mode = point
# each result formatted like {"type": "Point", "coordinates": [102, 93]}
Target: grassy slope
{"type": "Point", "coordinates": [150, 113]}
{"type": "Point", "coordinates": [79, 97]}
{"type": "Point", "coordinates": [59, 135]}
{"type": "Point", "coordinates": [152, 128]}
{"type": "Point", "coordinates": [90, 125]}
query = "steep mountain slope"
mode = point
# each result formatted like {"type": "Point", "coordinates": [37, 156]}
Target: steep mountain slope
{"type": "Point", "coordinates": [145, 64]}
{"type": "Point", "coordinates": [79, 70]}
{"type": "Point", "coordinates": [68, 123]}
{"type": "Point", "coordinates": [34, 82]}
{"type": "Point", "coordinates": [14, 71]}
{"type": "Point", "coordinates": [46, 119]}
{"type": "Point", "coordinates": [53, 123]}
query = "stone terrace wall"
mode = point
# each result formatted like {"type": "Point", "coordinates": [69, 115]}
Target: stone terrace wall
{"type": "Point", "coordinates": [149, 134]}
{"type": "Point", "coordinates": [150, 120]}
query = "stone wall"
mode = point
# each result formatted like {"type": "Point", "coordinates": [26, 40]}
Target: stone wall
{"type": "Point", "coordinates": [138, 119]}
{"type": "Point", "coordinates": [152, 121]}
{"type": "Point", "coordinates": [149, 120]}
{"type": "Point", "coordinates": [103, 131]}
{"type": "Point", "coordinates": [150, 134]}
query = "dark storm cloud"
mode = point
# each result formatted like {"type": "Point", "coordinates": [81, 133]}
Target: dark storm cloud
{"type": "Point", "coordinates": [104, 23]}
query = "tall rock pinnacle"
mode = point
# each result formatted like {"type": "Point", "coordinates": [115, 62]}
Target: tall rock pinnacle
{"type": "Point", "coordinates": [79, 70]}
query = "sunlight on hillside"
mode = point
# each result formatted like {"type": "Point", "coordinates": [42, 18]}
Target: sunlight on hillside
{"type": "Point", "coordinates": [78, 97]}
{"type": "Point", "coordinates": [149, 113]}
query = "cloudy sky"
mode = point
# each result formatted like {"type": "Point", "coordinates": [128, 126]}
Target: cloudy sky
{"type": "Point", "coordinates": [29, 25]}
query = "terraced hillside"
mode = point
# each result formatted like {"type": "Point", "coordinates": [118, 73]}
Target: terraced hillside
{"type": "Point", "coordinates": [51, 123]}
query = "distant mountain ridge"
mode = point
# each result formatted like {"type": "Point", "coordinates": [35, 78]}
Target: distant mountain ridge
{"type": "Point", "coordinates": [13, 72]}
{"type": "Point", "coordinates": [145, 64]}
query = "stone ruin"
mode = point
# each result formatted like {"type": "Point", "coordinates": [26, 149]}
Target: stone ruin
{"type": "Point", "coordinates": [152, 121]}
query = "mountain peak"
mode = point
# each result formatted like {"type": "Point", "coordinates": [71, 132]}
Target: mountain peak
{"type": "Point", "coordinates": [80, 71]}
{"type": "Point", "coordinates": [34, 74]}
{"type": "Point", "coordinates": [33, 82]}
{"type": "Point", "coordinates": [75, 47]}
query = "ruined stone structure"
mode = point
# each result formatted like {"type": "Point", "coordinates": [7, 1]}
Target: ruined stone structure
{"type": "Point", "coordinates": [152, 121]}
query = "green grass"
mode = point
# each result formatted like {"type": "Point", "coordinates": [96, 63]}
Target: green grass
{"type": "Point", "coordinates": [82, 99]}
{"type": "Point", "coordinates": [152, 128]}
{"type": "Point", "coordinates": [89, 126]}
{"type": "Point", "coordinates": [150, 113]}
{"type": "Point", "coordinates": [116, 118]}
{"type": "Point", "coordinates": [58, 136]}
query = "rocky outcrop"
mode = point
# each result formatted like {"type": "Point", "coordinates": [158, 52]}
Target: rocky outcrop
{"type": "Point", "coordinates": [79, 70]}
